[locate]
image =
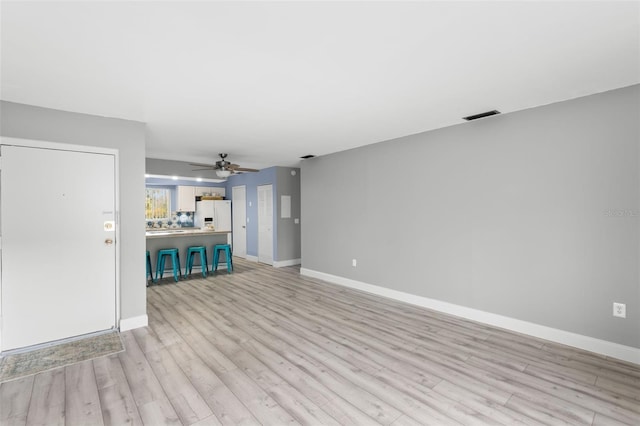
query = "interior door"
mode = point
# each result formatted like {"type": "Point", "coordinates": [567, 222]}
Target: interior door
{"type": "Point", "coordinates": [239, 212]}
{"type": "Point", "coordinates": [265, 224]}
{"type": "Point", "coordinates": [58, 251]}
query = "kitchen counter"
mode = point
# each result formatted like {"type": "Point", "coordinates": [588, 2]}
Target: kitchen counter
{"type": "Point", "coordinates": [163, 233]}
{"type": "Point", "coordinates": [182, 239]}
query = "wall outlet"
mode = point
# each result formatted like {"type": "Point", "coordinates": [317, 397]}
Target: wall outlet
{"type": "Point", "coordinates": [619, 310]}
{"type": "Point", "coordinates": [354, 262]}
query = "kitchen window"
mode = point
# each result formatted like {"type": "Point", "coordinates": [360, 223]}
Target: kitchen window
{"type": "Point", "coordinates": [158, 204]}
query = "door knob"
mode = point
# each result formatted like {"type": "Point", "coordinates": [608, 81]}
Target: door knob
{"type": "Point", "coordinates": [108, 241]}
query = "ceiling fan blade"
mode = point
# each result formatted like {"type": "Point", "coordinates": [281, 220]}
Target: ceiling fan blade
{"type": "Point", "coordinates": [244, 169]}
{"type": "Point", "coordinates": [210, 168]}
{"type": "Point", "coordinates": [232, 166]}
{"type": "Point", "coordinates": [201, 165]}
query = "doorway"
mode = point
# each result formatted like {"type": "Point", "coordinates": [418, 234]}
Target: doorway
{"type": "Point", "coordinates": [58, 253]}
{"type": "Point", "coordinates": [239, 208]}
{"type": "Point", "coordinates": [265, 224]}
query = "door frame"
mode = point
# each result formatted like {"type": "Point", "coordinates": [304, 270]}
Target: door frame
{"type": "Point", "coordinates": [30, 143]}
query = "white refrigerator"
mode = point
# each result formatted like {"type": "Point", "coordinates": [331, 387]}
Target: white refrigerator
{"type": "Point", "coordinates": [214, 212]}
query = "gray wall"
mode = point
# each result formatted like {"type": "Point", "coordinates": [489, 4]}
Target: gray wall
{"type": "Point", "coordinates": [533, 215]}
{"type": "Point", "coordinates": [288, 232]}
{"type": "Point", "coordinates": [29, 122]}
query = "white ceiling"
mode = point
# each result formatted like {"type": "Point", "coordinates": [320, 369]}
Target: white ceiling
{"type": "Point", "coordinates": [269, 82]}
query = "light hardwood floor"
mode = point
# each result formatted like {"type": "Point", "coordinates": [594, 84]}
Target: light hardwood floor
{"type": "Point", "coordinates": [268, 346]}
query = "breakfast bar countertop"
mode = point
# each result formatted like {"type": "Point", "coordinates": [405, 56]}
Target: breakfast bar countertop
{"type": "Point", "coordinates": [192, 232]}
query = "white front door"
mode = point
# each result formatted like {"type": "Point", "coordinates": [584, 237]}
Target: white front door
{"type": "Point", "coordinates": [265, 224]}
{"type": "Point", "coordinates": [239, 208]}
{"type": "Point", "coordinates": [58, 252]}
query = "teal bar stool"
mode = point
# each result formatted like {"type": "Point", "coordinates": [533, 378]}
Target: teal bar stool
{"type": "Point", "coordinates": [149, 269]}
{"type": "Point", "coordinates": [227, 254]}
{"type": "Point", "coordinates": [175, 261]}
{"type": "Point", "coordinates": [202, 251]}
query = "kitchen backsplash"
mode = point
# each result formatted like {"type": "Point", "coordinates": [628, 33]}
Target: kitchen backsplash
{"type": "Point", "coordinates": [178, 220]}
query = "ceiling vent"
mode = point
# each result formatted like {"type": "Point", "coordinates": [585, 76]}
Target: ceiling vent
{"type": "Point", "coordinates": [481, 115]}
{"type": "Point", "coordinates": [306, 157]}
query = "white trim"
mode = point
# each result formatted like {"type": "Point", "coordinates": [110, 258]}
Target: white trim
{"type": "Point", "coordinates": [603, 347]}
{"type": "Point", "coordinates": [116, 183]}
{"type": "Point", "coordinates": [32, 143]}
{"type": "Point", "coordinates": [290, 262]}
{"type": "Point", "coordinates": [135, 322]}
{"type": "Point", "coordinates": [252, 258]}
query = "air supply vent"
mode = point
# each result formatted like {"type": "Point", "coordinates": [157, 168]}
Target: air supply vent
{"type": "Point", "coordinates": [481, 115]}
{"type": "Point", "coordinates": [306, 157]}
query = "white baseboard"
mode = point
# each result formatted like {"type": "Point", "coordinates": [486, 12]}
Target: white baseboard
{"type": "Point", "coordinates": [252, 258]}
{"type": "Point", "coordinates": [603, 347]}
{"type": "Point", "coordinates": [135, 322]}
{"type": "Point", "coordinates": [283, 263]}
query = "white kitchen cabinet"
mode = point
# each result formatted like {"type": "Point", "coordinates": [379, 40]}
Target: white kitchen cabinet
{"type": "Point", "coordinates": [201, 190]}
{"type": "Point", "coordinates": [186, 199]}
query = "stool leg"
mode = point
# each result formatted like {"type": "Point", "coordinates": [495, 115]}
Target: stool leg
{"type": "Point", "coordinates": [189, 262]}
{"type": "Point", "coordinates": [214, 265]}
{"type": "Point", "coordinates": [173, 266]}
{"type": "Point", "coordinates": [160, 268]}
{"type": "Point", "coordinates": [176, 266]}
{"type": "Point", "coordinates": [206, 262]}
{"type": "Point", "coordinates": [149, 270]}
{"type": "Point", "coordinates": [203, 263]}
{"type": "Point", "coordinates": [227, 253]}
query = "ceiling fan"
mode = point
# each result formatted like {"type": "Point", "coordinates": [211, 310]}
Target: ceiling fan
{"type": "Point", "coordinates": [223, 168]}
